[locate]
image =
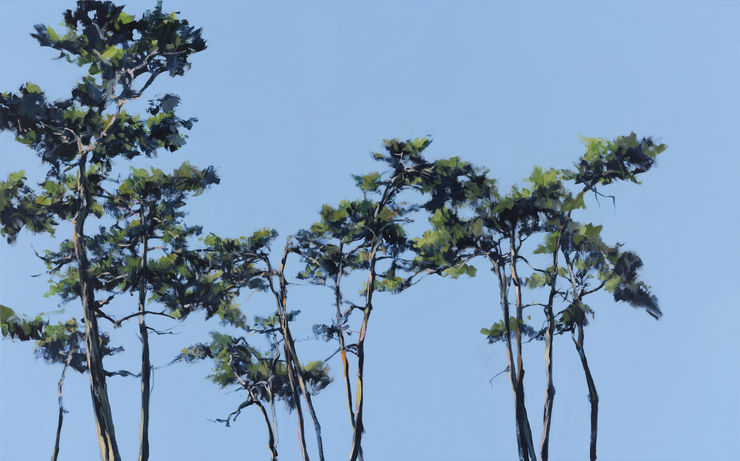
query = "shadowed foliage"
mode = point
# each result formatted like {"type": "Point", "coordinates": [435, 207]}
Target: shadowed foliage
{"type": "Point", "coordinates": [78, 139]}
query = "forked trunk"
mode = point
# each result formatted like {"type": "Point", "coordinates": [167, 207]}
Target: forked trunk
{"type": "Point", "coordinates": [304, 390]}
{"type": "Point", "coordinates": [297, 400]}
{"type": "Point", "coordinates": [359, 428]}
{"type": "Point", "coordinates": [288, 347]}
{"type": "Point", "coordinates": [343, 348]}
{"type": "Point", "coordinates": [510, 356]}
{"type": "Point", "coordinates": [525, 431]}
{"type": "Point", "coordinates": [520, 416]}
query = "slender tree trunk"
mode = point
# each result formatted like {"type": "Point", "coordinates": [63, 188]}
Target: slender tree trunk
{"type": "Point", "coordinates": [296, 400]}
{"type": "Point", "coordinates": [593, 396]}
{"type": "Point", "coordinates": [98, 389]}
{"type": "Point", "coordinates": [146, 367]}
{"type": "Point", "coordinates": [359, 401]}
{"type": "Point", "coordinates": [347, 381]}
{"type": "Point", "coordinates": [280, 299]}
{"type": "Point", "coordinates": [342, 342]}
{"type": "Point", "coordinates": [292, 356]}
{"type": "Point", "coordinates": [343, 347]}
{"type": "Point", "coordinates": [271, 398]}
{"type": "Point", "coordinates": [271, 445]}
{"type": "Point", "coordinates": [504, 300]}
{"type": "Point", "coordinates": [550, 389]}
{"type": "Point", "coordinates": [55, 453]}
{"type": "Point", "coordinates": [304, 390]}
{"type": "Point", "coordinates": [526, 430]}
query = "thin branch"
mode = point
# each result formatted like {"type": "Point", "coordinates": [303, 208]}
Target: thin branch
{"type": "Point", "coordinates": [118, 323]}
{"type": "Point", "coordinates": [160, 332]}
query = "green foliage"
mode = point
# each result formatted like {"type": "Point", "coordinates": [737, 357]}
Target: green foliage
{"type": "Point", "coordinates": [356, 234]}
{"type": "Point", "coordinates": [621, 159]}
{"type": "Point", "coordinates": [16, 327]}
{"type": "Point", "coordinates": [79, 138]}
{"type": "Point", "coordinates": [576, 313]}
{"type": "Point", "coordinates": [629, 288]}
{"type": "Point", "coordinates": [118, 53]}
{"type": "Point", "coordinates": [21, 207]}
{"type": "Point", "coordinates": [53, 341]}
{"type": "Point", "coordinates": [497, 331]}
{"type": "Point", "coordinates": [236, 362]}
{"type": "Point", "coordinates": [63, 339]}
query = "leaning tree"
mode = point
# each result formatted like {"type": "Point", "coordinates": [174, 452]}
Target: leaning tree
{"type": "Point", "coordinates": [494, 226]}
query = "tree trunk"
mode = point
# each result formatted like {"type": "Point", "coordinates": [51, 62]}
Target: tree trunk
{"type": "Point", "coordinates": [510, 357]}
{"type": "Point", "coordinates": [297, 401]}
{"type": "Point", "coordinates": [550, 389]}
{"type": "Point", "coordinates": [593, 396]}
{"type": "Point", "coordinates": [270, 436]}
{"type": "Point", "coordinates": [359, 401]}
{"type": "Point", "coordinates": [304, 390]}
{"type": "Point", "coordinates": [98, 389]}
{"type": "Point", "coordinates": [281, 302]}
{"type": "Point", "coordinates": [295, 371]}
{"type": "Point", "coordinates": [526, 431]}
{"type": "Point", "coordinates": [342, 342]}
{"type": "Point", "coordinates": [343, 348]}
{"type": "Point", "coordinates": [272, 412]}
{"type": "Point", "coordinates": [55, 453]}
{"type": "Point", "coordinates": [146, 367]}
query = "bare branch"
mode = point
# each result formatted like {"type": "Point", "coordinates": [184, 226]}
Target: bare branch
{"type": "Point", "coordinates": [136, 314]}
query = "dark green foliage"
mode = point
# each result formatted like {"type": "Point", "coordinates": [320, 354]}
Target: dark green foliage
{"type": "Point", "coordinates": [630, 289]}
{"type": "Point", "coordinates": [78, 138]}
{"type": "Point", "coordinates": [360, 234]}
{"type": "Point", "coordinates": [21, 207]}
{"type": "Point", "coordinates": [236, 362]}
{"type": "Point", "coordinates": [63, 338]}
{"type": "Point", "coordinates": [497, 332]}
{"type": "Point", "coordinates": [495, 226]}
{"type": "Point", "coordinates": [146, 248]}
{"type": "Point", "coordinates": [595, 265]}
{"type": "Point", "coordinates": [621, 159]}
{"type": "Point", "coordinates": [15, 327]}
{"type": "Point", "coordinates": [53, 341]}
{"type": "Point", "coordinates": [118, 52]}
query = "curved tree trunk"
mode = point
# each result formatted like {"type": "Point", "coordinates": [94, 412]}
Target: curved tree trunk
{"type": "Point", "coordinates": [343, 348]}
{"type": "Point", "coordinates": [271, 445]}
{"type": "Point", "coordinates": [98, 389]}
{"type": "Point", "coordinates": [593, 396]}
{"type": "Point", "coordinates": [55, 453]}
{"type": "Point", "coordinates": [297, 400]}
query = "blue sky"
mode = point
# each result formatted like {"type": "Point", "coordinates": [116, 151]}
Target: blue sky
{"type": "Point", "coordinates": [292, 97]}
